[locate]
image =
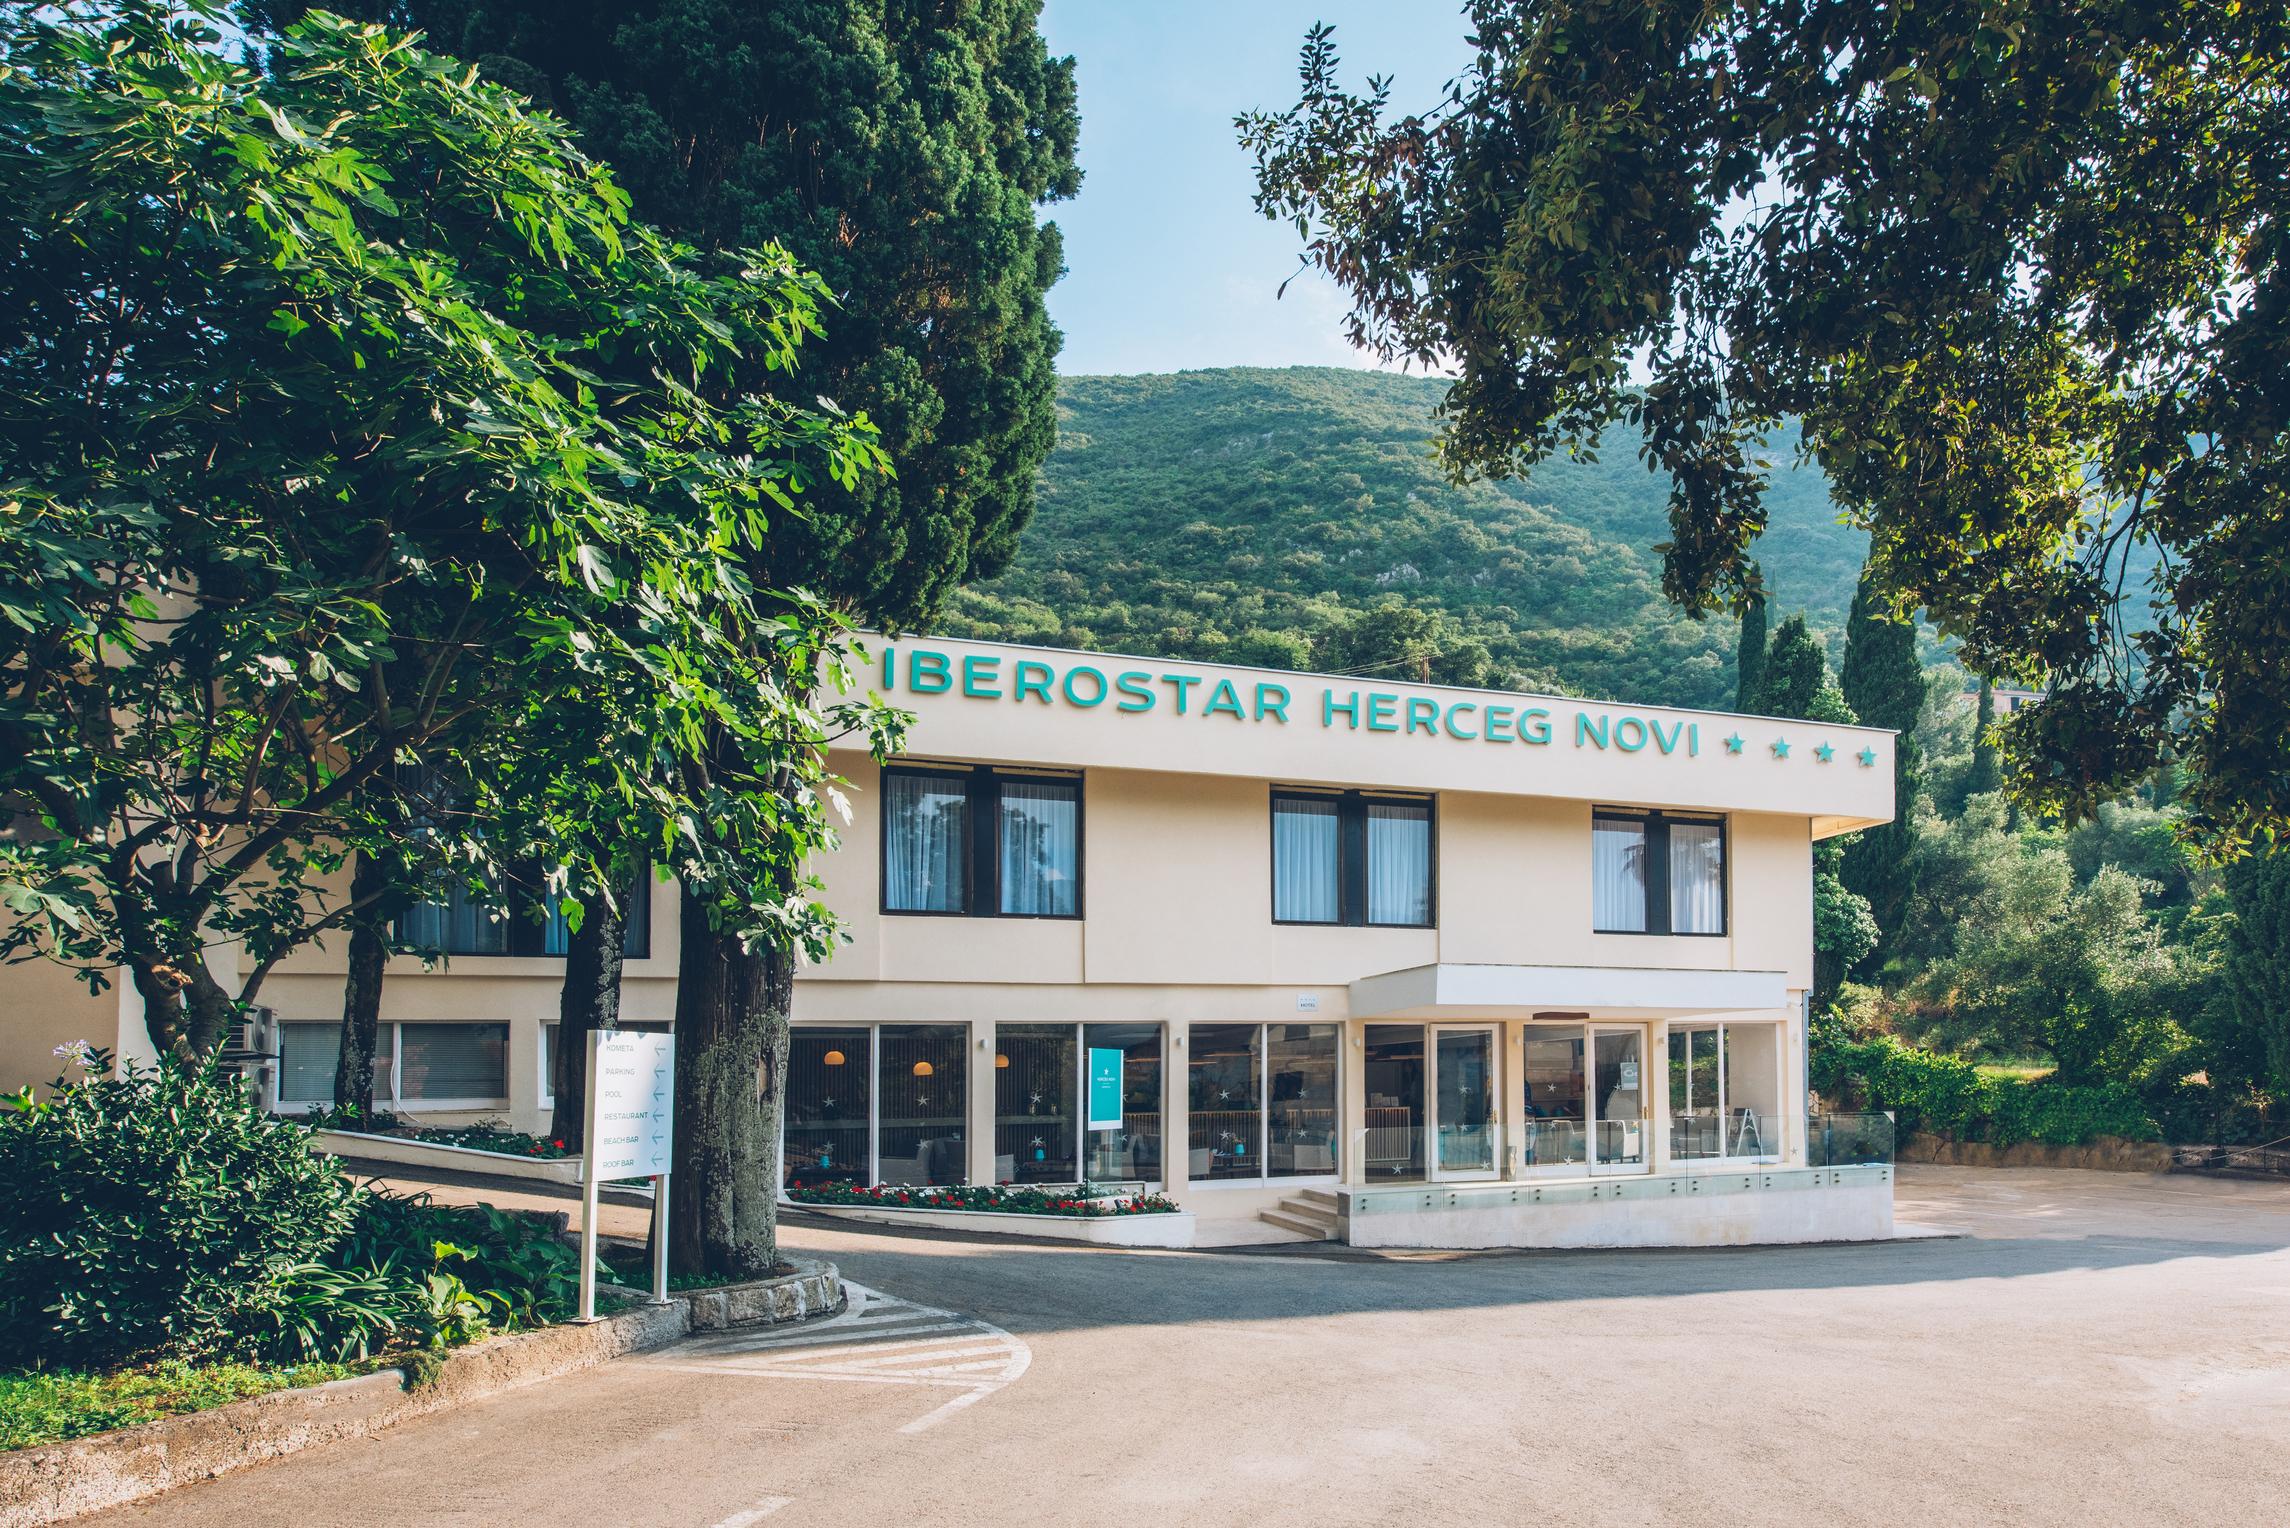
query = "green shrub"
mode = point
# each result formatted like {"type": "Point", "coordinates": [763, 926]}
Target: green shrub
{"type": "Point", "coordinates": [156, 1211]}
{"type": "Point", "coordinates": [1948, 1095]}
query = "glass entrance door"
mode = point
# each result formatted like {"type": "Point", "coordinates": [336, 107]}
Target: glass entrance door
{"type": "Point", "coordinates": [1463, 1114]}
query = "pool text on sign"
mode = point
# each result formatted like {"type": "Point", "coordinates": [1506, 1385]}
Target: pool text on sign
{"type": "Point", "coordinates": [992, 677]}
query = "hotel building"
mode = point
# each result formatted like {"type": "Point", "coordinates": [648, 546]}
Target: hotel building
{"type": "Point", "coordinates": [1402, 964]}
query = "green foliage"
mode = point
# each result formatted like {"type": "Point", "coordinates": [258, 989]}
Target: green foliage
{"type": "Point", "coordinates": [1401, 641]}
{"type": "Point", "coordinates": [2257, 969]}
{"type": "Point", "coordinates": [1987, 776]}
{"type": "Point", "coordinates": [2019, 271]}
{"type": "Point", "coordinates": [155, 1212]}
{"type": "Point", "coordinates": [1949, 1096]}
{"type": "Point", "coordinates": [1884, 683]}
{"type": "Point", "coordinates": [56, 1405]}
{"type": "Point", "coordinates": [359, 376]}
{"type": "Point", "coordinates": [2019, 959]}
{"type": "Point", "coordinates": [1796, 680]}
{"type": "Point", "coordinates": [1239, 515]}
{"type": "Point", "coordinates": [1844, 931]}
{"type": "Point", "coordinates": [1749, 655]}
{"type": "Point", "coordinates": [901, 152]}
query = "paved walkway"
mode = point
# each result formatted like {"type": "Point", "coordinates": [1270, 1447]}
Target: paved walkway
{"type": "Point", "coordinates": [2094, 1349]}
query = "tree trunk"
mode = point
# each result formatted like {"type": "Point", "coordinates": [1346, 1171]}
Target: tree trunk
{"type": "Point", "coordinates": [731, 1051]}
{"type": "Point", "coordinates": [590, 1001]}
{"type": "Point", "coordinates": [185, 1010]}
{"type": "Point", "coordinates": [362, 991]}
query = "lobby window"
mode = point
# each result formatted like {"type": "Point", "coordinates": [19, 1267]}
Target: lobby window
{"type": "Point", "coordinates": [1725, 1091]}
{"type": "Point", "coordinates": [1655, 873]}
{"type": "Point", "coordinates": [416, 1066]}
{"type": "Point", "coordinates": [1351, 858]}
{"type": "Point", "coordinates": [981, 842]}
{"type": "Point", "coordinates": [1038, 1087]}
{"type": "Point", "coordinates": [1261, 1100]}
{"type": "Point", "coordinates": [635, 937]}
{"type": "Point", "coordinates": [885, 1103]}
{"type": "Point", "coordinates": [1585, 1098]}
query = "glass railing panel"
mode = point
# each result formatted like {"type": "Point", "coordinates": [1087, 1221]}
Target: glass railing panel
{"type": "Point", "coordinates": [1849, 1140]}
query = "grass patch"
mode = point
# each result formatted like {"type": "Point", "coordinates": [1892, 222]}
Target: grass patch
{"type": "Point", "coordinates": [2014, 1071]}
{"type": "Point", "coordinates": [51, 1406]}
{"type": "Point", "coordinates": [636, 1273]}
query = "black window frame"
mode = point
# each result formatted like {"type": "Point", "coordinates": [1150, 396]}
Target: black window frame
{"type": "Point", "coordinates": [1352, 855]}
{"type": "Point", "coordinates": [982, 839]}
{"type": "Point", "coordinates": [519, 900]}
{"type": "Point", "coordinates": [1657, 825]}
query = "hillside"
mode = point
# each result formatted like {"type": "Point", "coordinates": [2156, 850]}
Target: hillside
{"type": "Point", "coordinates": [1226, 513]}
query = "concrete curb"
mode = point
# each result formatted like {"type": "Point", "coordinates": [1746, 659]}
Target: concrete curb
{"type": "Point", "coordinates": [64, 1480]}
{"type": "Point", "coordinates": [1161, 1228]}
{"type": "Point", "coordinates": [397, 1151]}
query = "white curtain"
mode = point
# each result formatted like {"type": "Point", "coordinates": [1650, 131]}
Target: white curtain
{"type": "Point", "coordinates": [1304, 861]}
{"type": "Point", "coordinates": [923, 839]}
{"type": "Point", "coordinates": [1618, 876]}
{"type": "Point", "coordinates": [1399, 863]}
{"type": "Point", "coordinates": [1697, 878]}
{"type": "Point", "coordinates": [453, 1061]}
{"type": "Point", "coordinates": [307, 1055]}
{"type": "Point", "coordinates": [1041, 848]}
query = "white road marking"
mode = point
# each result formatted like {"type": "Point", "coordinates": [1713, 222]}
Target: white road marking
{"type": "Point", "coordinates": [756, 1513]}
{"type": "Point", "coordinates": [879, 1340]}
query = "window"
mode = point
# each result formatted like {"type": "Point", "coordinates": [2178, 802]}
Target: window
{"type": "Point", "coordinates": [446, 1065]}
{"type": "Point", "coordinates": [1348, 858]}
{"type": "Point", "coordinates": [416, 1066]}
{"type": "Point", "coordinates": [467, 923]}
{"type": "Point", "coordinates": [1261, 1100]}
{"type": "Point", "coordinates": [830, 1073]}
{"type": "Point", "coordinates": [1653, 873]}
{"type": "Point", "coordinates": [1131, 1154]}
{"type": "Point", "coordinates": [1725, 1090]}
{"type": "Point", "coordinates": [982, 842]}
{"type": "Point", "coordinates": [635, 934]}
{"type": "Point", "coordinates": [462, 924]}
{"type": "Point", "coordinates": [922, 1129]}
{"type": "Point", "coordinates": [1037, 1091]}
{"type": "Point", "coordinates": [1585, 1103]}
{"type": "Point", "coordinates": [1558, 1098]}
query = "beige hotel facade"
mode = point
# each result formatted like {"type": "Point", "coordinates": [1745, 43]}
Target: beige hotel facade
{"type": "Point", "coordinates": [1404, 964]}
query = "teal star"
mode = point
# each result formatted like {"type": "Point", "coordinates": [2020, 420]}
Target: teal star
{"type": "Point", "coordinates": [1868, 757]}
{"type": "Point", "coordinates": [1733, 744]}
{"type": "Point", "coordinates": [1781, 748]}
{"type": "Point", "coordinates": [1826, 751]}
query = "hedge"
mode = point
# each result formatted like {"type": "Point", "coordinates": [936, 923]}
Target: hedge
{"type": "Point", "coordinates": [1947, 1095]}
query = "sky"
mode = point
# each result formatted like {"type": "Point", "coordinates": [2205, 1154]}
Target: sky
{"type": "Point", "coordinates": [1168, 266]}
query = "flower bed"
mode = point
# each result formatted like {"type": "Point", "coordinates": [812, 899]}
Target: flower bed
{"type": "Point", "coordinates": [1087, 1202]}
{"type": "Point", "coordinates": [485, 1135]}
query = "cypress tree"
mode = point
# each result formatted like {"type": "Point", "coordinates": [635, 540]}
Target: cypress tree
{"type": "Point", "coordinates": [1987, 771]}
{"type": "Point", "coordinates": [1884, 684]}
{"type": "Point", "coordinates": [1796, 672]}
{"type": "Point", "coordinates": [1749, 657]}
{"type": "Point", "coordinates": [2256, 970]}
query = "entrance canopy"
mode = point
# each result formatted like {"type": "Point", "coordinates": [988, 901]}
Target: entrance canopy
{"type": "Point", "coordinates": [1447, 991]}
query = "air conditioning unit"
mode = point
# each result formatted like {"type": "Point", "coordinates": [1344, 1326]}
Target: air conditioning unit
{"type": "Point", "coordinates": [253, 1049]}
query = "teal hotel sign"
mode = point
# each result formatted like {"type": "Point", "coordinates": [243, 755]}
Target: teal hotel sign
{"type": "Point", "coordinates": [1454, 717]}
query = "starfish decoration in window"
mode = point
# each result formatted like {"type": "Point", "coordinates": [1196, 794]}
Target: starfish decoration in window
{"type": "Point", "coordinates": [1733, 744]}
{"type": "Point", "coordinates": [1826, 752]}
{"type": "Point", "coordinates": [1781, 748]}
{"type": "Point", "coordinates": [1868, 758]}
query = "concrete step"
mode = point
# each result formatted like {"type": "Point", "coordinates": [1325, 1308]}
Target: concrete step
{"type": "Point", "coordinates": [1317, 1230]}
{"type": "Point", "coordinates": [1324, 1198]}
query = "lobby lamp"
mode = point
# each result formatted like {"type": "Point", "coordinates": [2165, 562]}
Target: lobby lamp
{"type": "Point", "coordinates": [833, 1058]}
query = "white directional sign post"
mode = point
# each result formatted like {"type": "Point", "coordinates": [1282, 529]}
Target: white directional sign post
{"type": "Point", "coordinates": [630, 1133]}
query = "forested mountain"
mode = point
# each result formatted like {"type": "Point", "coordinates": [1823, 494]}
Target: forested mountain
{"type": "Point", "coordinates": [1239, 514]}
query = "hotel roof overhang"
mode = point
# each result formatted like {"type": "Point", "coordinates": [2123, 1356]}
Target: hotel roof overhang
{"type": "Point", "coordinates": [995, 702]}
{"type": "Point", "coordinates": [1448, 991]}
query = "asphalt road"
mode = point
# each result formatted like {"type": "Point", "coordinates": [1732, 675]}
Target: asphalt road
{"type": "Point", "coordinates": [2094, 1349]}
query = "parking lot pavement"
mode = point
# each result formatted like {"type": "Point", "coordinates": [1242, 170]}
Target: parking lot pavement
{"type": "Point", "coordinates": [2091, 1349]}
